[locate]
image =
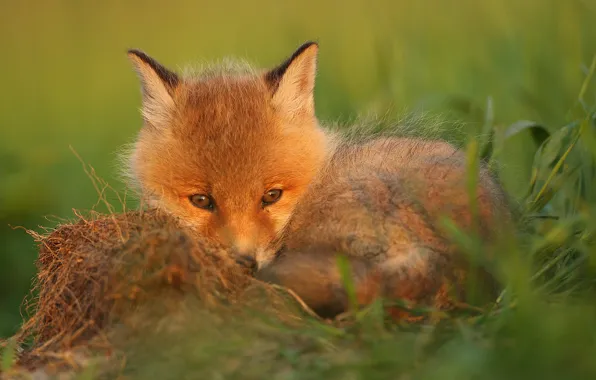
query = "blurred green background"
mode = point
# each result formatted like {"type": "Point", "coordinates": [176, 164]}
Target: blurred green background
{"type": "Point", "coordinates": [66, 81]}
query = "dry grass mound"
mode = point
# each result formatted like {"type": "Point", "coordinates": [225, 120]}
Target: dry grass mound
{"type": "Point", "coordinates": [95, 275]}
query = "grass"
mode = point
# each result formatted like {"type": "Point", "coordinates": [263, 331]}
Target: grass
{"type": "Point", "coordinates": [519, 76]}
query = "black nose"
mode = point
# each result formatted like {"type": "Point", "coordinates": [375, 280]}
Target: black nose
{"type": "Point", "coordinates": [247, 261]}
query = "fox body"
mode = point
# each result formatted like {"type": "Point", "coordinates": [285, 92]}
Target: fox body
{"type": "Point", "coordinates": [239, 157]}
{"type": "Point", "coordinates": [380, 203]}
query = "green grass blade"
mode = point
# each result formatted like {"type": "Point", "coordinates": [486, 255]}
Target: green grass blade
{"type": "Point", "coordinates": [347, 279]}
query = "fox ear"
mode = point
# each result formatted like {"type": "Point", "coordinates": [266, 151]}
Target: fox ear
{"type": "Point", "coordinates": [157, 85]}
{"type": "Point", "coordinates": [292, 83]}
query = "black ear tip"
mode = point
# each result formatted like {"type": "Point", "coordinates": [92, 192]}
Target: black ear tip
{"type": "Point", "coordinates": [167, 76]}
{"type": "Point", "coordinates": [139, 54]}
{"type": "Point", "coordinates": [305, 46]}
{"type": "Point", "coordinates": [308, 44]}
{"type": "Point", "coordinates": [273, 77]}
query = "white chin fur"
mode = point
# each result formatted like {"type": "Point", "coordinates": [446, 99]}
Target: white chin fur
{"type": "Point", "coordinates": [264, 257]}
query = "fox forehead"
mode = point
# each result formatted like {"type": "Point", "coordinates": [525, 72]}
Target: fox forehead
{"type": "Point", "coordinates": [226, 130]}
{"type": "Point", "coordinates": [224, 107]}
{"type": "Point", "coordinates": [220, 126]}
{"type": "Point", "coordinates": [224, 165]}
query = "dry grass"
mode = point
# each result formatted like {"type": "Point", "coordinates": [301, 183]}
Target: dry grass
{"type": "Point", "coordinates": [106, 282]}
{"type": "Point", "coordinates": [97, 273]}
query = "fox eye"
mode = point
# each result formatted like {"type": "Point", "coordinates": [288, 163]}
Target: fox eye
{"type": "Point", "coordinates": [202, 201]}
{"type": "Point", "coordinates": [271, 196]}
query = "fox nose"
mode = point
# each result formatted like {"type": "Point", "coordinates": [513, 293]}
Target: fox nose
{"type": "Point", "coordinates": [245, 254]}
{"type": "Point", "coordinates": [247, 261]}
{"type": "Point", "coordinates": [244, 247]}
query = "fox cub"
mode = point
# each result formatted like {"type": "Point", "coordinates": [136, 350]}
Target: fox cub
{"type": "Point", "coordinates": [239, 157]}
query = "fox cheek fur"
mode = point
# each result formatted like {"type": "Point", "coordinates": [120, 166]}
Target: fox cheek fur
{"type": "Point", "coordinates": [231, 135]}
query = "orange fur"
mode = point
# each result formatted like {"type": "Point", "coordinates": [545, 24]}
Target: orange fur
{"type": "Point", "coordinates": [235, 135]}
{"type": "Point", "coordinates": [380, 203]}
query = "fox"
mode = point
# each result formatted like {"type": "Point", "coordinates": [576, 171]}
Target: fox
{"type": "Point", "coordinates": [239, 157]}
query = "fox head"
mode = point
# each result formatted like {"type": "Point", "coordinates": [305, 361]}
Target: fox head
{"type": "Point", "coordinates": [229, 154]}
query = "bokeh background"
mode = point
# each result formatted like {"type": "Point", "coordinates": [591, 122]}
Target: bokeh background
{"type": "Point", "coordinates": [66, 82]}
